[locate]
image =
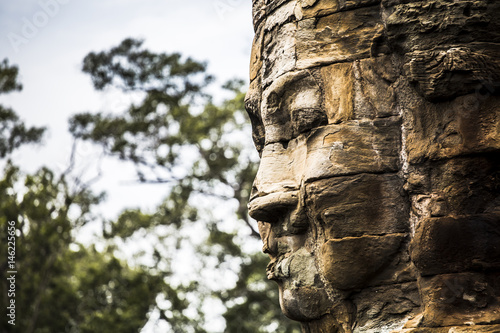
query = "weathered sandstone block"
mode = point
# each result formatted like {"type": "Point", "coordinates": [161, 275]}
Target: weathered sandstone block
{"type": "Point", "coordinates": [378, 190]}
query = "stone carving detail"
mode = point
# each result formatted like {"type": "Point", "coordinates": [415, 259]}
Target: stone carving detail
{"type": "Point", "coordinates": [378, 191]}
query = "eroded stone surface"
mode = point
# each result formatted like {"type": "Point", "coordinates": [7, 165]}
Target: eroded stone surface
{"type": "Point", "coordinates": [457, 244]}
{"type": "Point", "coordinates": [454, 329]}
{"type": "Point", "coordinates": [460, 299]}
{"type": "Point", "coordinates": [319, 8]}
{"type": "Point", "coordinates": [353, 148]}
{"type": "Point", "coordinates": [468, 124]}
{"type": "Point", "coordinates": [339, 37]}
{"type": "Point", "coordinates": [385, 307]}
{"type": "Point", "coordinates": [349, 263]}
{"type": "Point", "coordinates": [346, 206]}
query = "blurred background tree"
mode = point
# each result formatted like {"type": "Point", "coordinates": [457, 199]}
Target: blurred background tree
{"type": "Point", "coordinates": [61, 286]}
{"type": "Point", "coordinates": [195, 256]}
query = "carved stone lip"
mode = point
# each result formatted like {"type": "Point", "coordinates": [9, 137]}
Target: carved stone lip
{"type": "Point", "coordinates": [278, 268]}
{"type": "Point", "coordinates": [270, 270]}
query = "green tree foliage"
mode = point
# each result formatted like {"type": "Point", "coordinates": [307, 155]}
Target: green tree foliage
{"type": "Point", "coordinates": [201, 151]}
{"type": "Point", "coordinates": [60, 286]}
{"type": "Point", "coordinates": [13, 132]}
{"type": "Point", "coordinates": [252, 305]}
{"type": "Point", "coordinates": [175, 134]}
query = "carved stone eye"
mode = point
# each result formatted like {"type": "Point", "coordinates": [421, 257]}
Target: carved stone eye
{"type": "Point", "coordinates": [306, 119]}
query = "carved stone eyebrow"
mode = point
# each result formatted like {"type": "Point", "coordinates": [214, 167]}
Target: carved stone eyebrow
{"type": "Point", "coordinates": [291, 105]}
{"type": "Point", "coordinates": [282, 83]}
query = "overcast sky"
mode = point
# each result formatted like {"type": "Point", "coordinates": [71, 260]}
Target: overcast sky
{"type": "Point", "coordinates": [48, 39]}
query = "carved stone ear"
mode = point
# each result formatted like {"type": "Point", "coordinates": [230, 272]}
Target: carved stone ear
{"type": "Point", "coordinates": [306, 119]}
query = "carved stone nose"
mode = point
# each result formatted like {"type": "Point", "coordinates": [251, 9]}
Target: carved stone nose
{"type": "Point", "coordinates": [270, 207]}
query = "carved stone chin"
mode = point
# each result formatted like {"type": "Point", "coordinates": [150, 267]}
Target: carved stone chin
{"type": "Point", "coordinates": [378, 191]}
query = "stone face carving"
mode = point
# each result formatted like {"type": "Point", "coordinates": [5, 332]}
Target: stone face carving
{"type": "Point", "coordinates": [378, 192]}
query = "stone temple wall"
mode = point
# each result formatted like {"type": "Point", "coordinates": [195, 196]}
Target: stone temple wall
{"type": "Point", "coordinates": [378, 192]}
